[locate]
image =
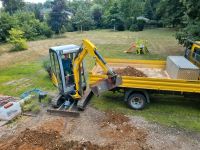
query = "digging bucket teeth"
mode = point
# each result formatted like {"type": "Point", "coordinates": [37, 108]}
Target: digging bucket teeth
{"type": "Point", "coordinates": [106, 85]}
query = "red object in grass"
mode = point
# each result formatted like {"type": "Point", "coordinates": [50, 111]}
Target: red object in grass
{"type": "Point", "coordinates": [8, 105]}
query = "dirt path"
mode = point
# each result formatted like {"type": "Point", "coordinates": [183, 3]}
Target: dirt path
{"type": "Point", "coordinates": [92, 130]}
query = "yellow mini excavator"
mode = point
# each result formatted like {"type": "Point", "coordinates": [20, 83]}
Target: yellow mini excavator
{"type": "Point", "coordinates": [69, 76]}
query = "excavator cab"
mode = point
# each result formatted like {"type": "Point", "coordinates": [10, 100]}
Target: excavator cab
{"type": "Point", "coordinates": [61, 58]}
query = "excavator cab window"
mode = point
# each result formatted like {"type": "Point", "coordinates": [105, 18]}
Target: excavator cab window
{"type": "Point", "coordinates": [56, 69]}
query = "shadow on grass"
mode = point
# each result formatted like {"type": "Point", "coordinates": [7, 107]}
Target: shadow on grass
{"type": "Point", "coordinates": [171, 100]}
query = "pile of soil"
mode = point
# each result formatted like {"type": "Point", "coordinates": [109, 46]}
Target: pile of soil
{"type": "Point", "coordinates": [116, 126]}
{"type": "Point", "coordinates": [130, 71]}
{"type": "Point", "coordinates": [51, 140]}
{"type": "Point", "coordinates": [115, 118]}
{"type": "Point", "coordinates": [57, 124]}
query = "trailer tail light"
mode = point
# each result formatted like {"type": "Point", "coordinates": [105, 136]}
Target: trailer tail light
{"type": "Point", "coordinates": [8, 105]}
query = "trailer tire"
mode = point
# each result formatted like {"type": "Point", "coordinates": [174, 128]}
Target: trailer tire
{"type": "Point", "coordinates": [137, 101]}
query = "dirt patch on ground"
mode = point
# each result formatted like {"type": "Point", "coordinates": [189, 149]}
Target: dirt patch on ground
{"type": "Point", "coordinates": [115, 118]}
{"type": "Point", "coordinates": [130, 71]}
{"type": "Point", "coordinates": [48, 140]}
{"type": "Point", "coordinates": [57, 125]}
{"type": "Point", "coordinates": [116, 126]}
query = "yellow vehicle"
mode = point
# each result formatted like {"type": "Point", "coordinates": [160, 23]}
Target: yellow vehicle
{"type": "Point", "coordinates": [68, 75]}
{"type": "Point", "coordinates": [192, 52]}
{"type": "Point", "coordinates": [103, 78]}
{"type": "Point", "coordinates": [138, 89]}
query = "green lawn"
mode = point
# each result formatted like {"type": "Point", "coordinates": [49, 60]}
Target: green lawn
{"type": "Point", "coordinates": [18, 78]}
{"type": "Point", "coordinates": [22, 71]}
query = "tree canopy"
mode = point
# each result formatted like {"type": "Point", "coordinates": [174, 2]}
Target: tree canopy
{"type": "Point", "coordinates": [70, 15]}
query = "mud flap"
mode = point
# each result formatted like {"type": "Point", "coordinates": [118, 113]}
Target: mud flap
{"type": "Point", "coordinates": [105, 85]}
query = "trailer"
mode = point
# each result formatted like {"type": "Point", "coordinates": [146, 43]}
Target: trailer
{"type": "Point", "coordinates": [137, 89]}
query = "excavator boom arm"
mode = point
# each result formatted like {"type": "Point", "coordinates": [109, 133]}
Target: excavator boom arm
{"type": "Point", "coordinates": [88, 48]}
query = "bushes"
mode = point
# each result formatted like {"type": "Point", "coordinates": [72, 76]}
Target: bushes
{"type": "Point", "coordinates": [17, 39]}
{"type": "Point", "coordinates": [26, 22]}
{"type": "Point", "coordinates": [138, 25]}
{"type": "Point", "coordinates": [31, 26]}
{"type": "Point", "coordinates": [191, 31]}
{"type": "Point", "coordinates": [6, 23]}
{"type": "Point", "coordinates": [133, 27]}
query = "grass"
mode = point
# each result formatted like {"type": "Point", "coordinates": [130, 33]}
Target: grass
{"type": "Point", "coordinates": [31, 105]}
{"type": "Point", "coordinates": [21, 71]}
{"type": "Point", "coordinates": [19, 78]}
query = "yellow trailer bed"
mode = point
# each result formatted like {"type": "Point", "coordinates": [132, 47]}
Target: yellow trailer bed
{"type": "Point", "coordinates": [157, 78]}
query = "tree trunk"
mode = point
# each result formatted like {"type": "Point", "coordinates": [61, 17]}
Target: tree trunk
{"type": "Point", "coordinates": [81, 28]}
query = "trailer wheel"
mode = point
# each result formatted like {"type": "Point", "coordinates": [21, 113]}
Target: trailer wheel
{"type": "Point", "coordinates": [137, 101]}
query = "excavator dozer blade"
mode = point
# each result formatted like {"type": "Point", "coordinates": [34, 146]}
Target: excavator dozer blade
{"type": "Point", "coordinates": [63, 113]}
{"type": "Point", "coordinates": [105, 85]}
{"type": "Point", "coordinates": [74, 110]}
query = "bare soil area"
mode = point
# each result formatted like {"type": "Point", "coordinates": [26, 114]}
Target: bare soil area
{"type": "Point", "coordinates": [93, 130]}
{"type": "Point", "coordinates": [51, 140]}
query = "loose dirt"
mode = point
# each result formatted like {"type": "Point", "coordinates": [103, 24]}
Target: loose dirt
{"type": "Point", "coordinates": [116, 126]}
{"type": "Point", "coordinates": [56, 125]}
{"type": "Point", "coordinates": [130, 71]}
{"type": "Point", "coordinates": [48, 140]}
{"type": "Point", "coordinates": [93, 130]}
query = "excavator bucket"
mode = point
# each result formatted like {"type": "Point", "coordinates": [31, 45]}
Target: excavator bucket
{"type": "Point", "coordinates": [105, 85]}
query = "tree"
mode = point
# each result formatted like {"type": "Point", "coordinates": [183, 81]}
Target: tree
{"type": "Point", "coordinates": [11, 6]}
{"type": "Point", "coordinates": [130, 9]}
{"type": "Point", "coordinates": [32, 27]}
{"type": "Point", "coordinates": [82, 19]}
{"type": "Point", "coordinates": [171, 12]}
{"type": "Point", "coordinates": [6, 23]}
{"type": "Point", "coordinates": [192, 9]}
{"type": "Point", "coordinates": [97, 12]}
{"type": "Point", "coordinates": [115, 18]}
{"type": "Point", "coordinates": [190, 27]}
{"type": "Point", "coordinates": [35, 8]}
{"type": "Point", "coordinates": [48, 4]}
{"type": "Point", "coordinates": [148, 10]}
{"type": "Point", "coordinates": [17, 39]}
{"type": "Point", "coordinates": [58, 16]}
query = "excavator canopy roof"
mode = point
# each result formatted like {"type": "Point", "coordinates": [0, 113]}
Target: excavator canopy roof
{"type": "Point", "coordinates": [65, 49]}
